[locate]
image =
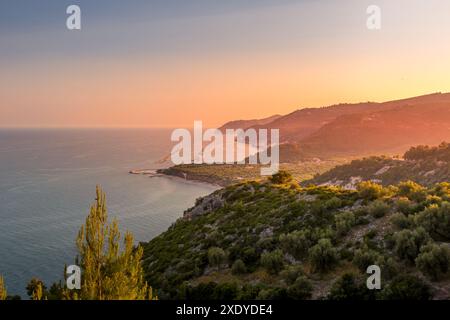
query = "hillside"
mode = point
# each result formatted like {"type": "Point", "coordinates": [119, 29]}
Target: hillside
{"type": "Point", "coordinates": [422, 164]}
{"type": "Point", "coordinates": [244, 124]}
{"type": "Point", "coordinates": [363, 129]}
{"type": "Point", "coordinates": [276, 240]}
{"type": "Point", "coordinates": [225, 174]}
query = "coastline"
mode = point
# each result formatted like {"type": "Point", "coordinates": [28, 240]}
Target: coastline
{"type": "Point", "coordinates": [172, 173]}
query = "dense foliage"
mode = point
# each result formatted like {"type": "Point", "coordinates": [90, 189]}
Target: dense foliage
{"type": "Point", "coordinates": [267, 240]}
{"type": "Point", "coordinates": [422, 164]}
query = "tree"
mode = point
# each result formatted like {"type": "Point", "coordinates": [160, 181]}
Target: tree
{"type": "Point", "coordinates": [216, 257]}
{"type": "Point", "coordinates": [433, 260]}
{"type": "Point", "coordinates": [323, 256]}
{"type": "Point", "coordinates": [273, 261]}
{"type": "Point", "coordinates": [108, 273]}
{"type": "Point", "coordinates": [3, 292]}
{"type": "Point", "coordinates": [36, 289]}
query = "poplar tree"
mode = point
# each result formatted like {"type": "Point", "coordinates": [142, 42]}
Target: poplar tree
{"type": "Point", "coordinates": [3, 293]}
{"type": "Point", "coordinates": [109, 272]}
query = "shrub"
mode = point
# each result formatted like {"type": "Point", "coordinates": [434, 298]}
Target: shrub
{"type": "Point", "coordinates": [238, 267]}
{"type": "Point", "coordinates": [433, 260]}
{"type": "Point", "coordinates": [404, 205]}
{"type": "Point", "coordinates": [300, 290]}
{"type": "Point", "coordinates": [296, 243]}
{"type": "Point", "coordinates": [273, 261]}
{"type": "Point", "coordinates": [408, 243]}
{"type": "Point", "coordinates": [272, 294]}
{"type": "Point", "coordinates": [366, 257]}
{"type": "Point", "coordinates": [400, 221]}
{"type": "Point", "coordinates": [378, 209]}
{"type": "Point", "coordinates": [323, 256]}
{"type": "Point", "coordinates": [344, 221]}
{"type": "Point", "coordinates": [369, 190]}
{"type": "Point", "coordinates": [406, 287]}
{"type": "Point", "coordinates": [225, 291]}
{"type": "Point", "coordinates": [281, 177]}
{"type": "Point", "coordinates": [390, 268]}
{"type": "Point", "coordinates": [436, 220]}
{"type": "Point", "coordinates": [333, 203]}
{"type": "Point", "coordinates": [412, 191]}
{"type": "Point", "coordinates": [348, 287]}
{"type": "Point", "coordinates": [216, 257]}
{"type": "Point", "coordinates": [291, 273]}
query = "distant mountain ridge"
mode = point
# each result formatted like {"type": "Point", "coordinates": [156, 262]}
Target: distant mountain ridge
{"type": "Point", "coordinates": [245, 124]}
{"type": "Point", "coordinates": [361, 128]}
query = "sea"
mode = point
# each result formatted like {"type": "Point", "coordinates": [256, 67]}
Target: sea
{"type": "Point", "coordinates": [48, 179]}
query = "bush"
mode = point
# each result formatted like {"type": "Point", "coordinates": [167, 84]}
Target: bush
{"type": "Point", "coordinates": [433, 260]}
{"type": "Point", "coordinates": [366, 257]}
{"type": "Point", "coordinates": [369, 190]}
{"type": "Point", "coordinates": [296, 243]}
{"type": "Point", "coordinates": [323, 256]}
{"type": "Point", "coordinates": [291, 273]}
{"type": "Point", "coordinates": [281, 177]}
{"type": "Point", "coordinates": [378, 209]}
{"type": "Point", "coordinates": [412, 191]}
{"type": "Point", "coordinates": [344, 221]}
{"type": "Point", "coordinates": [408, 243]}
{"type": "Point", "coordinates": [390, 268]}
{"type": "Point", "coordinates": [348, 287]}
{"type": "Point", "coordinates": [406, 287]}
{"type": "Point", "coordinates": [272, 294]}
{"type": "Point", "coordinates": [436, 220]}
{"type": "Point", "coordinates": [404, 205]}
{"type": "Point", "coordinates": [273, 261]}
{"type": "Point", "coordinates": [400, 221]}
{"type": "Point", "coordinates": [300, 290]}
{"type": "Point", "coordinates": [333, 204]}
{"type": "Point", "coordinates": [238, 267]}
{"type": "Point", "coordinates": [216, 257]}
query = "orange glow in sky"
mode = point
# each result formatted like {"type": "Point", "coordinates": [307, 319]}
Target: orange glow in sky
{"type": "Point", "coordinates": [234, 65]}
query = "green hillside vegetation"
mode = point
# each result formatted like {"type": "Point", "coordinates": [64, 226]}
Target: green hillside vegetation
{"type": "Point", "coordinates": [227, 174]}
{"type": "Point", "coordinates": [277, 240]}
{"type": "Point", "coordinates": [422, 164]}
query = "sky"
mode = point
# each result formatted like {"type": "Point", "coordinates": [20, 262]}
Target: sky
{"type": "Point", "coordinates": [166, 63]}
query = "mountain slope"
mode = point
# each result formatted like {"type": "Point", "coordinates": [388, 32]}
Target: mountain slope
{"type": "Point", "coordinates": [244, 124]}
{"type": "Point", "coordinates": [424, 165]}
{"type": "Point", "coordinates": [363, 129]}
{"type": "Point", "coordinates": [279, 241]}
{"type": "Point", "coordinates": [391, 130]}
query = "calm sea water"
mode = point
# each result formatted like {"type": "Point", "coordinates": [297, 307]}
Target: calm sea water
{"type": "Point", "coordinates": [47, 183]}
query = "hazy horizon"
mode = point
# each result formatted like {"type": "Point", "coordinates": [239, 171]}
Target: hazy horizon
{"type": "Point", "coordinates": [164, 64]}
